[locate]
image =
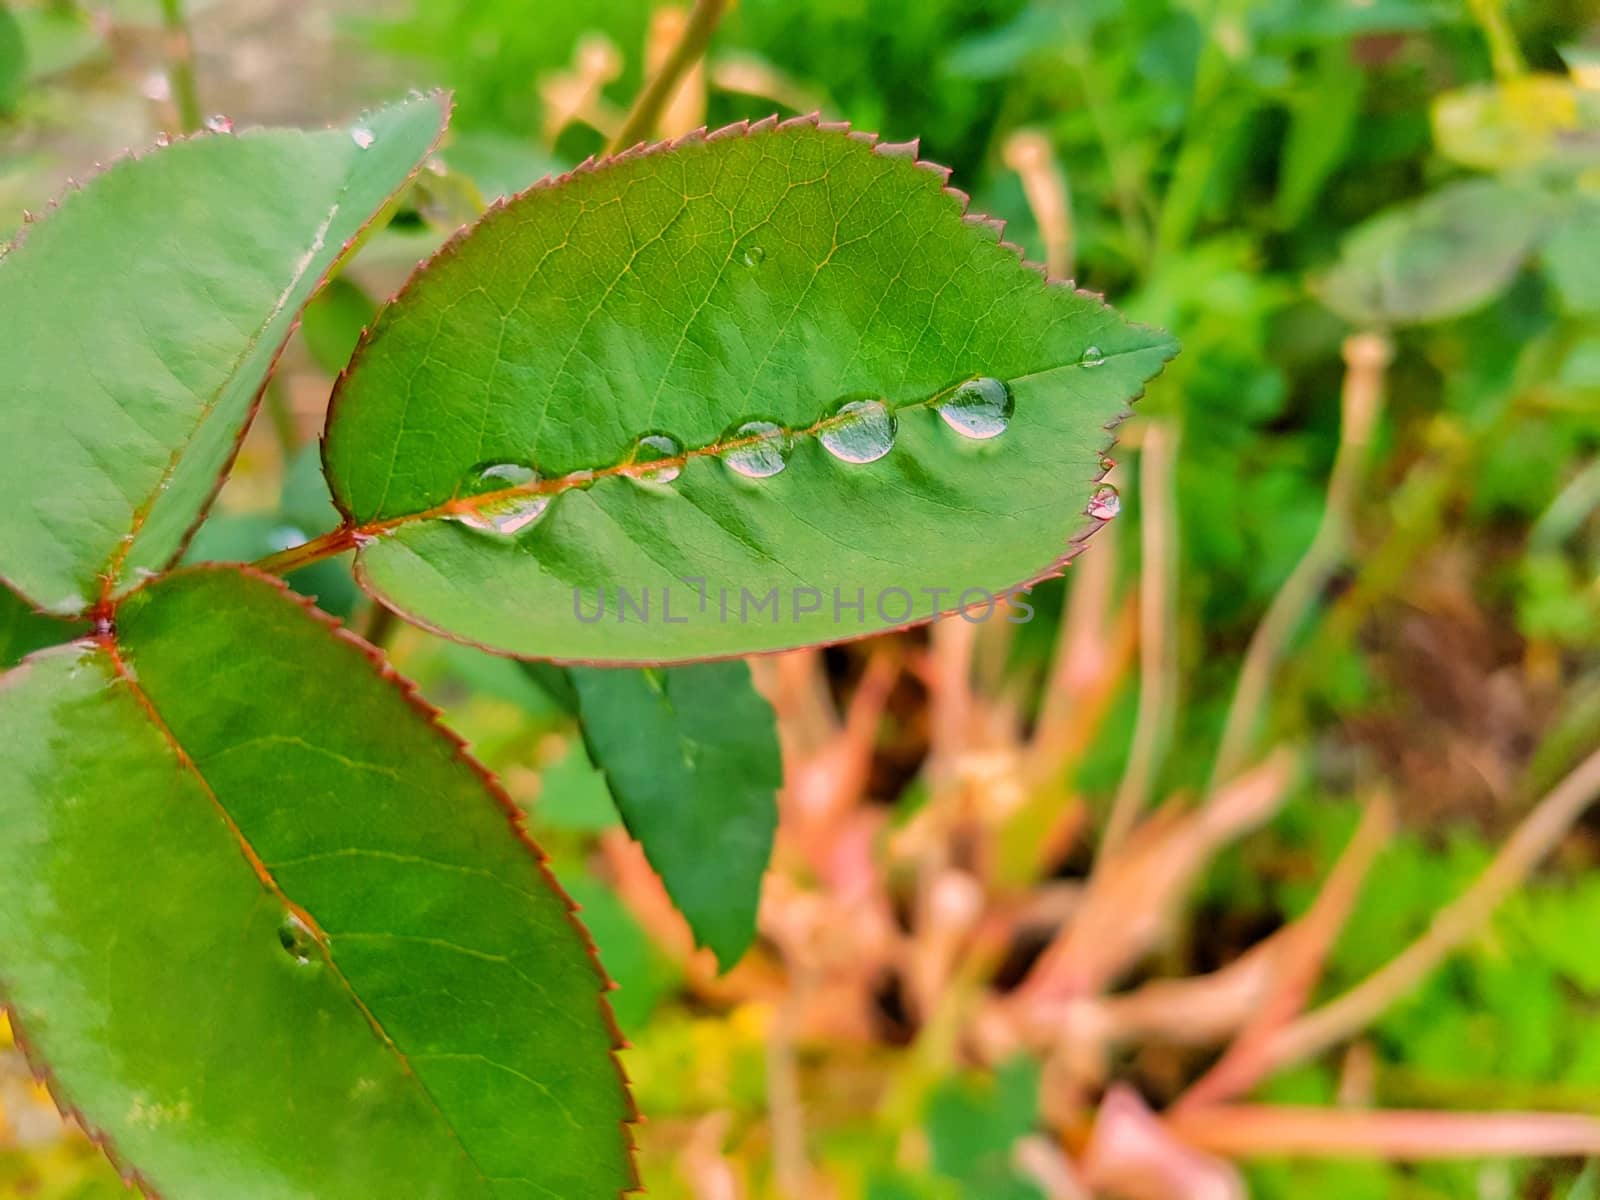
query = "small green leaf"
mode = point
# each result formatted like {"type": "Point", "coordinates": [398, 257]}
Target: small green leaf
{"type": "Point", "coordinates": [573, 794]}
{"type": "Point", "coordinates": [1570, 253]}
{"type": "Point", "coordinates": [1518, 123]}
{"type": "Point", "coordinates": [139, 321]}
{"type": "Point", "coordinates": [1440, 257]}
{"type": "Point", "coordinates": [304, 500]}
{"type": "Point", "coordinates": [691, 756]}
{"type": "Point", "coordinates": [712, 307]}
{"type": "Point", "coordinates": [273, 935]}
{"type": "Point", "coordinates": [500, 165]}
{"type": "Point", "coordinates": [56, 38]}
{"type": "Point", "coordinates": [973, 1127]}
{"type": "Point", "coordinates": [333, 323]}
{"type": "Point", "coordinates": [13, 59]}
{"type": "Point", "coordinates": [22, 631]}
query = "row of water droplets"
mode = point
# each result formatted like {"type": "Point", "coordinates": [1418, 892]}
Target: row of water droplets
{"type": "Point", "coordinates": [860, 430]}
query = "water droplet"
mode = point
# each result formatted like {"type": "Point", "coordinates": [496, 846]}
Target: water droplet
{"type": "Point", "coordinates": [504, 518]}
{"type": "Point", "coordinates": [579, 479]}
{"type": "Point", "coordinates": [753, 256]}
{"type": "Point", "coordinates": [1104, 503]}
{"type": "Point", "coordinates": [498, 476]}
{"type": "Point", "coordinates": [218, 123]}
{"type": "Point", "coordinates": [764, 452]}
{"type": "Point", "coordinates": [298, 941]}
{"type": "Point", "coordinates": [1093, 356]}
{"type": "Point", "coordinates": [1107, 462]}
{"type": "Point", "coordinates": [980, 408]}
{"type": "Point", "coordinates": [162, 139]}
{"type": "Point", "coordinates": [362, 136]}
{"type": "Point", "coordinates": [507, 516]}
{"type": "Point", "coordinates": [860, 431]}
{"type": "Point", "coordinates": [660, 448]}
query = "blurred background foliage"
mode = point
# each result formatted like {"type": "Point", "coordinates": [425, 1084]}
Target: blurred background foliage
{"type": "Point", "coordinates": [1264, 178]}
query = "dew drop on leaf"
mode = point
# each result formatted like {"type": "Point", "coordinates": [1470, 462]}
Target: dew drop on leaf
{"type": "Point", "coordinates": [659, 448]}
{"type": "Point", "coordinates": [1104, 502]}
{"type": "Point", "coordinates": [362, 137]}
{"type": "Point", "coordinates": [1093, 356]}
{"type": "Point", "coordinates": [297, 940]}
{"type": "Point", "coordinates": [497, 476]}
{"type": "Point", "coordinates": [162, 139]}
{"type": "Point", "coordinates": [980, 408]}
{"type": "Point", "coordinates": [764, 451]}
{"type": "Point", "coordinates": [218, 123]}
{"type": "Point", "coordinates": [503, 517]}
{"type": "Point", "coordinates": [861, 431]}
{"type": "Point", "coordinates": [578, 479]}
{"type": "Point", "coordinates": [753, 256]}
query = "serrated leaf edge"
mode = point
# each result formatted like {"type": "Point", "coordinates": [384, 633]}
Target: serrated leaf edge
{"type": "Point", "coordinates": [352, 534]}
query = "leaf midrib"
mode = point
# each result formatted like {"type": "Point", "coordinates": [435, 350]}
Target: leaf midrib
{"type": "Point", "coordinates": [351, 531]}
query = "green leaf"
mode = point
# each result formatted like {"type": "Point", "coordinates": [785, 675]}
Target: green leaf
{"type": "Point", "coordinates": [333, 323]}
{"type": "Point", "coordinates": [56, 38]}
{"type": "Point", "coordinates": [498, 164]}
{"type": "Point", "coordinates": [304, 500]}
{"type": "Point", "coordinates": [22, 631]}
{"type": "Point", "coordinates": [1569, 254]}
{"type": "Point", "coordinates": [13, 59]}
{"type": "Point", "coordinates": [139, 322]}
{"type": "Point", "coordinates": [1518, 123]}
{"type": "Point", "coordinates": [274, 935]}
{"type": "Point", "coordinates": [1440, 257]}
{"type": "Point", "coordinates": [766, 275]}
{"type": "Point", "coordinates": [573, 794]}
{"type": "Point", "coordinates": [973, 1128]}
{"type": "Point", "coordinates": [691, 756]}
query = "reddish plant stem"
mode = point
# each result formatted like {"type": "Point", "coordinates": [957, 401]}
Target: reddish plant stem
{"type": "Point", "coordinates": [332, 543]}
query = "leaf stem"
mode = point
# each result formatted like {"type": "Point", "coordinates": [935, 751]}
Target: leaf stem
{"type": "Point", "coordinates": [180, 64]}
{"type": "Point", "coordinates": [1366, 359]}
{"type": "Point", "coordinates": [1504, 53]}
{"type": "Point", "coordinates": [646, 111]}
{"type": "Point", "coordinates": [336, 541]}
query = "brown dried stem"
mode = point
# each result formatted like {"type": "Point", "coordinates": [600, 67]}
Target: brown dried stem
{"type": "Point", "coordinates": [1535, 837]}
{"type": "Point", "coordinates": [1366, 357]}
